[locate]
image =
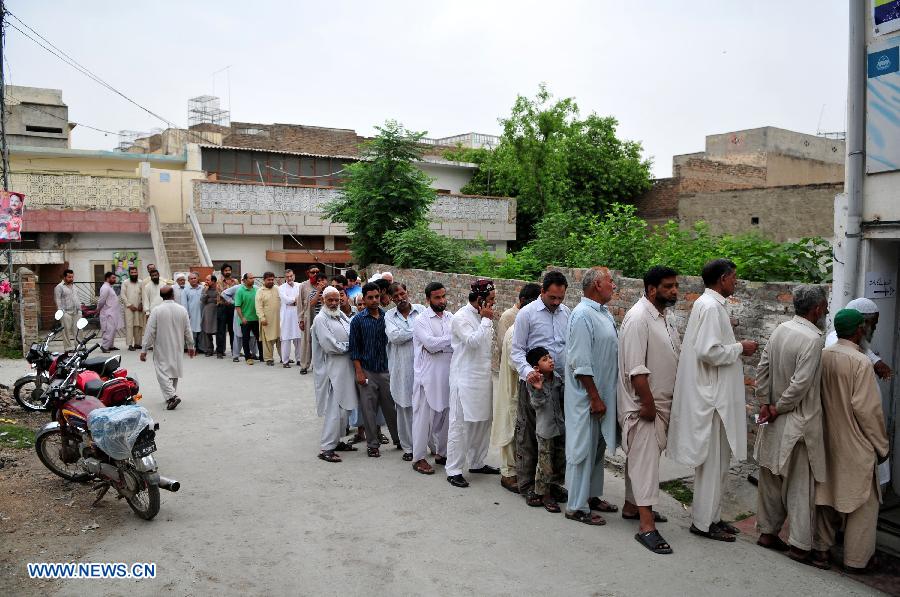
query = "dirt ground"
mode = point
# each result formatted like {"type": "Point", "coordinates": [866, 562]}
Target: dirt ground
{"type": "Point", "coordinates": [43, 518]}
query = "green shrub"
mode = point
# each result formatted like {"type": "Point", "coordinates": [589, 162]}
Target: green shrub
{"type": "Point", "coordinates": [420, 247]}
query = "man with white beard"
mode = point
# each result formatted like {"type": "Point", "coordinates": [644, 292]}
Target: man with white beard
{"type": "Point", "coordinates": [471, 385]}
{"type": "Point", "coordinates": [333, 371]}
{"type": "Point", "coordinates": [869, 311]}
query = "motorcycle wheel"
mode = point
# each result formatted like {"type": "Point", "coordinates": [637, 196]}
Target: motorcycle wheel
{"type": "Point", "coordinates": [48, 447]}
{"type": "Point", "coordinates": [29, 394]}
{"type": "Point", "coordinates": [144, 501]}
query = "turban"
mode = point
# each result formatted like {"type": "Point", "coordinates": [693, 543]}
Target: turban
{"type": "Point", "coordinates": [863, 305]}
{"type": "Point", "coordinates": [846, 321]}
{"type": "Point", "coordinates": [375, 277]}
{"type": "Point", "coordinates": [329, 290]}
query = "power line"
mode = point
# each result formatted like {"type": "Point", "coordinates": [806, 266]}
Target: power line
{"type": "Point", "coordinates": [67, 59]}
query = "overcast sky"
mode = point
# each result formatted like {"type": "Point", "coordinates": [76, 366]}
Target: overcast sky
{"type": "Point", "coordinates": [670, 72]}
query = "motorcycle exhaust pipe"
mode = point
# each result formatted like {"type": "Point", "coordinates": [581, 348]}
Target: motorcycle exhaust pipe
{"type": "Point", "coordinates": [95, 467]}
{"type": "Point", "coordinates": [169, 484]}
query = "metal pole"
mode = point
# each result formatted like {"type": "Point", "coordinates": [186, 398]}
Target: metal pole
{"type": "Point", "coordinates": [854, 172]}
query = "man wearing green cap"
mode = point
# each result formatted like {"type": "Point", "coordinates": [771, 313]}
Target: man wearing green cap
{"type": "Point", "coordinates": [855, 441]}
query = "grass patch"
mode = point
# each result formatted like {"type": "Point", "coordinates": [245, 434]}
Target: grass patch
{"type": "Point", "coordinates": [743, 516]}
{"type": "Point", "coordinates": [14, 436]}
{"type": "Point", "coordinates": [679, 490]}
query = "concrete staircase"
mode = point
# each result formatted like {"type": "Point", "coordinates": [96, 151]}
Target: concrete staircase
{"type": "Point", "coordinates": [181, 247]}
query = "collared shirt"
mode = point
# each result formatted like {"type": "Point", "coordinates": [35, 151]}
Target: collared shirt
{"type": "Point", "coordinates": [538, 326]}
{"type": "Point", "coordinates": [368, 341]}
{"type": "Point", "coordinates": [354, 291]}
{"type": "Point", "coordinates": [648, 345]}
{"type": "Point", "coordinates": [223, 284]}
{"type": "Point", "coordinates": [399, 332]}
{"type": "Point", "coordinates": [548, 407]}
{"type": "Point", "coordinates": [65, 297]}
{"type": "Point", "coordinates": [432, 351]}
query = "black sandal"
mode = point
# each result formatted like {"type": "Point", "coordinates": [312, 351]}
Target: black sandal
{"type": "Point", "coordinates": [373, 453]}
{"type": "Point", "coordinates": [383, 439]}
{"type": "Point", "coordinates": [777, 544]}
{"type": "Point", "coordinates": [550, 504]}
{"type": "Point", "coordinates": [329, 456]}
{"type": "Point", "coordinates": [534, 500]}
{"type": "Point", "coordinates": [597, 504]}
{"type": "Point", "coordinates": [728, 528]}
{"type": "Point", "coordinates": [586, 517]}
{"type": "Point", "coordinates": [715, 533]}
{"type": "Point", "coordinates": [653, 541]}
{"type": "Point", "coordinates": [172, 403]}
{"type": "Point", "coordinates": [657, 517]}
{"type": "Point", "coordinates": [345, 447]}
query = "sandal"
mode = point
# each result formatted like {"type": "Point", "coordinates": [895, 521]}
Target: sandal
{"type": "Point", "coordinates": [586, 517]}
{"type": "Point", "coordinates": [383, 439]}
{"type": "Point", "coordinates": [356, 439]}
{"type": "Point", "coordinates": [329, 456]}
{"type": "Point", "coordinates": [820, 560]}
{"type": "Point", "coordinates": [657, 517]}
{"type": "Point", "coordinates": [419, 467]}
{"type": "Point", "coordinates": [715, 533]}
{"type": "Point", "coordinates": [344, 447]}
{"type": "Point", "coordinates": [550, 504]}
{"type": "Point", "coordinates": [373, 453]}
{"type": "Point", "coordinates": [534, 500]}
{"type": "Point", "coordinates": [172, 403]}
{"type": "Point", "coordinates": [599, 505]}
{"type": "Point", "coordinates": [653, 541]}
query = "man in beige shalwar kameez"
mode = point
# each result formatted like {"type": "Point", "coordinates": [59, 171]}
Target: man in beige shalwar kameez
{"type": "Point", "coordinates": [506, 398]}
{"type": "Point", "coordinates": [648, 360]}
{"type": "Point", "coordinates": [709, 413]}
{"type": "Point", "coordinates": [306, 289]}
{"type": "Point", "coordinates": [789, 445]}
{"type": "Point", "coordinates": [132, 297]}
{"type": "Point", "coordinates": [855, 441]}
{"type": "Point", "coordinates": [268, 309]}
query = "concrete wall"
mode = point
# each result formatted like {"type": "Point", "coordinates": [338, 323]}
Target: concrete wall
{"type": "Point", "coordinates": [447, 176]}
{"type": "Point", "coordinates": [785, 213]}
{"type": "Point", "coordinates": [84, 247]}
{"type": "Point", "coordinates": [750, 146]}
{"type": "Point", "coordinates": [756, 309]}
{"type": "Point", "coordinates": [782, 170]}
{"type": "Point", "coordinates": [249, 250]}
{"type": "Point", "coordinates": [172, 192]}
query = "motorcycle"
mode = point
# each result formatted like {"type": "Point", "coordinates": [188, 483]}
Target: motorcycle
{"type": "Point", "coordinates": [86, 441]}
{"type": "Point", "coordinates": [30, 391]}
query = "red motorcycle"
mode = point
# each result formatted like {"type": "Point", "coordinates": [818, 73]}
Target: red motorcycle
{"type": "Point", "coordinates": [113, 446]}
{"type": "Point", "coordinates": [30, 391]}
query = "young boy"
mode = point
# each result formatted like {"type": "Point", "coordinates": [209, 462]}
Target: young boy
{"type": "Point", "coordinates": [546, 399]}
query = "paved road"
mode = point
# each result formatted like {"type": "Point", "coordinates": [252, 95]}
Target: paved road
{"type": "Point", "coordinates": [259, 514]}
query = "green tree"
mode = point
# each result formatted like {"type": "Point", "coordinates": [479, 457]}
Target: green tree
{"type": "Point", "coordinates": [420, 247]}
{"type": "Point", "coordinates": [552, 160]}
{"type": "Point", "coordinates": [384, 192]}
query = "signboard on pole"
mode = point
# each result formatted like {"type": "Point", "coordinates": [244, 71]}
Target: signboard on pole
{"type": "Point", "coordinates": [12, 207]}
{"type": "Point", "coordinates": [883, 106]}
{"type": "Point", "coordinates": [886, 16]}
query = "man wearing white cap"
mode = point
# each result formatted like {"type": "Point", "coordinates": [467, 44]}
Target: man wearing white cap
{"type": "Point", "coordinates": [869, 311]}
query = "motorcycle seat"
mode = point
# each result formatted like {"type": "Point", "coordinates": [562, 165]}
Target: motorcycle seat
{"type": "Point", "coordinates": [102, 366]}
{"type": "Point", "coordinates": [94, 364]}
{"type": "Point", "coordinates": [92, 387]}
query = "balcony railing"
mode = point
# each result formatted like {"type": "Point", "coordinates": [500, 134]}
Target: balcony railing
{"type": "Point", "coordinates": [79, 191]}
{"type": "Point", "coordinates": [307, 200]}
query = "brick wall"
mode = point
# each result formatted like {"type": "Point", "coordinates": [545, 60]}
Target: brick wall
{"type": "Point", "coordinates": [29, 306]}
{"type": "Point", "coordinates": [660, 203]}
{"type": "Point", "coordinates": [756, 308]}
{"type": "Point", "coordinates": [701, 175]}
{"type": "Point", "coordinates": [784, 213]}
{"type": "Point", "coordinates": [296, 137]}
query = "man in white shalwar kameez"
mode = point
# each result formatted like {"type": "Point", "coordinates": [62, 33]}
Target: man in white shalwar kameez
{"type": "Point", "coordinates": [432, 352]}
{"type": "Point", "coordinates": [709, 414]}
{"type": "Point", "coordinates": [333, 371]}
{"type": "Point", "coordinates": [168, 332]}
{"type": "Point", "coordinates": [398, 325]}
{"type": "Point", "coordinates": [471, 385]}
{"type": "Point", "coordinates": [289, 292]}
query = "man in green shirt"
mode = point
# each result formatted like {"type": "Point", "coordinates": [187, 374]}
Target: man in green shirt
{"type": "Point", "coordinates": [245, 307]}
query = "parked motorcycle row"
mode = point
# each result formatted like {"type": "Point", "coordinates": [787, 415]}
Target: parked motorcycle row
{"type": "Point", "coordinates": [97, 432]}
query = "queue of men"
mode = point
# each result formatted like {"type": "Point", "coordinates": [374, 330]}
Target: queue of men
{"type": "Point", "coordinates": [573, 385]}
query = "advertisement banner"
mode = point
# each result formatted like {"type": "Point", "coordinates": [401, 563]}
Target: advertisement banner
{"type": "Point", "coordinates": [12, 207]}
{"type": "Point", "coordinates": [883, 106]}
{"type": "Point", "coordinates": [886, 16]}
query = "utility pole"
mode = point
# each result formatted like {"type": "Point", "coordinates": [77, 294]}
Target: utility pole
{"type": "Point", "coordinates": [4, 149]}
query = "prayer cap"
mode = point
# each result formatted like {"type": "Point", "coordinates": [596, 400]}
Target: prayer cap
{"type": "Point", "coordinates": [482, 286]}
{"type": "Point", "coordinates": [863, 305]}
{"type": "Point", "coordinates": [375, 277]}
{"type": "Point", "coordinates": [847, 320]}
{"type": "Point", "coordinates": [329, 290]}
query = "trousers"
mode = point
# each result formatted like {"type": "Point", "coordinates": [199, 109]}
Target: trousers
{"type": "Point", "coordinates": [251, 327]}
{"type": "Point", "coordinates": [642, 465]}
{"type": "Point", "coordinates": [372, 395]}
{"type": "Point", "coordinates": [859, 529]}
{"type": "Point", "coordinates": [429, 429]}
{"type": "Point", "coordinates": [134, 327]}
{"type": "Point", "coordinates": [167, 385]}
{"type": "Point", "coordinates": [551, 467]}
{"type": "Point", "coordinates": [404, 427]}
{"type": "Point", "coordinates": [224, 324]}
{"type": "Point", "coordinates": [286, 350]}
{"type": "Point", "coordinates": [467, 441]}
{"type": "Point", "coordinates": [789, 496]}
{"type": "Point", "coordinates": [709, 478]}
{"type": "Point", "coordinates": [526, 442]}
{"type": "Point", "coordinates": [585, 479]}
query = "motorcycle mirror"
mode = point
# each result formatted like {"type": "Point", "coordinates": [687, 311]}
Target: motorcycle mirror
{"type": "Point", "coordinates": [58, 315]}
{"type": "Point", "coordinates": [82, 323]}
